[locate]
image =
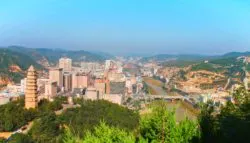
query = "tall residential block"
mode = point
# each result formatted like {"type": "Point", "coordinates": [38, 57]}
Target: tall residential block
{"type": "Point", "coordinates": [80, 80]}
{"type": "Point", "coordinates": [56, 75]}
{"type": "Point", "coordinates": [50, 89]}
{"type": "Point", "coordinates": [31, 89]}
{"type": "Point", "coordinates": [65, 64]}
{"type": "Point", "coordinates": [67, 82]}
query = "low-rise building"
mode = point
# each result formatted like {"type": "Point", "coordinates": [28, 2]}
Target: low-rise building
{"type": "Point", "coordinates": [92, 93]}
{"type": "Point", "coordinates": [4, 100]}
{"type": "Point", "coordinates": [114, 98]}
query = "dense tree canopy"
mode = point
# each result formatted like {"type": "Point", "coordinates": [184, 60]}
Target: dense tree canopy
{"type": "Point", "coordinates": [45, 105]}
{"type": "Point", "coordinates": [13, 115]}
{"type": "Point", "coordinates": [20, 138]}
{"type": "Point", "coordinates": [158, 126]}
{"type": "Point", "coordinates": [91, 113]}
{"type": "Point", "coordinates": [102, 134]}
{"type": "Point", "coordinates": [46, 129]}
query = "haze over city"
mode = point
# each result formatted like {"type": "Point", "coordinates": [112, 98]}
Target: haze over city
{"type": "Point", "coordinates": [124, 71]}
{"type": "Point", "coordinates": [141, 27]}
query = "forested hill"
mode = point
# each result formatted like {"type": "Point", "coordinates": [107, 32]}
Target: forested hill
{"type": "Point", "coordinates": [53, 55]}
{"type": "Point", "coordinates": [14, 64]}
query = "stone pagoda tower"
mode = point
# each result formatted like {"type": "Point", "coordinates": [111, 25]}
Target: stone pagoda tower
{"type": "Point", "coordinates": [31, 89]}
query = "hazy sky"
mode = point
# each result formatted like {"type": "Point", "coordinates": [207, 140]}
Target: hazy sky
{"type": "Point", "coordinates": [128, 26]}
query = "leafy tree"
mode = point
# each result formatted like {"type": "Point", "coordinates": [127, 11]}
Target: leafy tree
{"type": "Point", "coordinates": [102, 134]}
{"type": "Point", "coordinates": [208, 124]}
{"type": "Point", "coordinates": [70, 137]}
{"type": "Point", "coordinates": [106, 134]}
{"type": "Point", "coordinates": [161, 126]}
{"type": "Point", "coordinates": [231, 124]}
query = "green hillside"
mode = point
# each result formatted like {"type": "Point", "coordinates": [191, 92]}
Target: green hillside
{"type": "Point", "coordinates": [8, 58]}
{"type": "Point", "coordinates": [178, 63]}
{"type": "Point", "coordinates": [229, 66]}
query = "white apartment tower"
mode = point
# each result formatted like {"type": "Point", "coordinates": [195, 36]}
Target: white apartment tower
{"type": "Point", "coordinates": [65, 64]}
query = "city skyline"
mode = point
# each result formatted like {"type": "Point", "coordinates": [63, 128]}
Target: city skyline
{"type": "Point", "coordinates": [128, 27]}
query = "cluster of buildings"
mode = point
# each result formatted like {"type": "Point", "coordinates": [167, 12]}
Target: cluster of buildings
{"type": "Point", "coordinates": [150, 69]}
{"type": "Point", "coordinates": [89, 81]}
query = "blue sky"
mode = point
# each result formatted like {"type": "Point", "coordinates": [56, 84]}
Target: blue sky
{"type": "Point", "coordinates": [128, 26]}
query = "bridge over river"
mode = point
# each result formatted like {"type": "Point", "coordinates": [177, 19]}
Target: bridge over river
{"type": "Point", "coordinates": [149, 96]}
{"type": "Point", "coordinates": [179, 97]}
{"type": "Point", "coordinates": [166, 97]}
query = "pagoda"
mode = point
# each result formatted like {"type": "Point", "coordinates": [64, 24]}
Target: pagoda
{"type": "Point", "coordinates": [31, 89]}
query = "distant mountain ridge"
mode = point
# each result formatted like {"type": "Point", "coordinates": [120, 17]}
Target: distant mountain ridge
{"type": "Point", "coordinates": [53, 55]}
{"type": "Point", "coordinates": [182, 57]}
{"type": "Point", "coordinates": [236, 54]}
{"type": "Point", "coordinates": [193, 57]}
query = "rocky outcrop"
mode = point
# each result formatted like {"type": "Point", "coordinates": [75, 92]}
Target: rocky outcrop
{"type": "Point", "coordinates": [14, 68]}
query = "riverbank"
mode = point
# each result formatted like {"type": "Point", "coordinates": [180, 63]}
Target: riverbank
{"type": "Point", "coordinates": [191, 108]}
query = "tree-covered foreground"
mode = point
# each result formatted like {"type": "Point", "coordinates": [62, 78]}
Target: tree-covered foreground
{"type": "Point", "coordinates": [104, 122]}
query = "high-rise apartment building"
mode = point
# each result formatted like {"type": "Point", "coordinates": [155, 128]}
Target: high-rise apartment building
{"type": "Point", "coordinates": [56, 75]}
{"type": "Point", "coordinates": [50, 89]}
{"type": "Point", "coordinates": [80, 80]}
{"type": "Point", "coordinates": [31, 89]}
{"type": "Point", "coordinates": [65, 64]}
{"type": "Point", "coordinates": [67, 81]}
